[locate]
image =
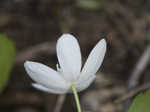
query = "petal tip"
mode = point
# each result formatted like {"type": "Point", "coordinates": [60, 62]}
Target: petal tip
{"type": "Point", "coordinates": [103, 41]}
{"type": "Point", "coordinates": [66, 36]}
{"type": "Point", "coordinates": [27, 63]}
{"type": "Point", "coordinates": [103, 44]}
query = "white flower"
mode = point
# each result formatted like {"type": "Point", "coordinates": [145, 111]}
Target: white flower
{"type": "Point", "coordinates": [69, 57]}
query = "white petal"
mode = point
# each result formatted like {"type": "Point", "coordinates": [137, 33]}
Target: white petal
{"type": "Point", "coordinates": [48, 90]}
{"type": "Point", "coordinates": [45, 76]}
{"type": "Point", "coordinates": [69, 56]}
{"type": "Point", "coordinates": [94, 60]}
{"type": "Point", "coordinates": [82, 85]}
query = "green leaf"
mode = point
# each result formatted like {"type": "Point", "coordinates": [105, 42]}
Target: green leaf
{"type": "Point", "coordinates": [7, 57]}
{"type": "Point", "coordinates": [141, 103]}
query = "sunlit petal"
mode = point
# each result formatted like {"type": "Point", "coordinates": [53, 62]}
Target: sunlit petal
{"type": "Point", "coordinates": [45, 76]}
{"type": "Point", "coordinates": [94, 60]}
{"type": "Point", "coordinates": [69, 56]}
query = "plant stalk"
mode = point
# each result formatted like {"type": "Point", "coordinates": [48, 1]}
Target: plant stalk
{"type": "Point", "coordinates": [76, 97]}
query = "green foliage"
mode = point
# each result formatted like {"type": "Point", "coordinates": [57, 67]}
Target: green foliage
{"type": "Point", "coordinates": [89, 4]}
{"type": "Point", "coordinates": [7, 57]}
{"type": "Point", "coordinates": [141, 103]}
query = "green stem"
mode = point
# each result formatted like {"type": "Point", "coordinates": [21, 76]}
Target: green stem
{"type": "Point", "coordinates": [76, 97]}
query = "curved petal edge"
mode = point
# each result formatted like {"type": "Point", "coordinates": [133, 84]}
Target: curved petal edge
{"type": "Point", "coordinates": [69, 56]}
{"type": "Point", "coordinates": [48, 90]}
{"type": "Point", "coordinates": [94, 60]}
